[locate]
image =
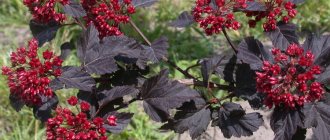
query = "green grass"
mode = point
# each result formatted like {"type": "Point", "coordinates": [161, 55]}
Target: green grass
{"type": "Point", "coordinates": [187, 46]}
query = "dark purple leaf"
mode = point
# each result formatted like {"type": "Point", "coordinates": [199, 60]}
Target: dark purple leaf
{"type": "Point", "coordinates": [66, 50]}
{"type": "Point", "coordinates": [284, 35]}
{"type": "Point", "coordinates": [127, 76]}
{"type": "Point", "coordinates": [16, 102]}
{"type": "Point", "coordinates": [93, 55]}
{"type": "Point", "coordinates": [74, 9]}
{"type": "Point", "coordinates": [325, 76]}
{"type": "Point", "coordinates": [227, 68]}
{"type": "Point", "coordinates": [44, 111]}
{"type": "Point", "coordinates": [116, 92]}
{"type": "Point", "coordinates": [300, 134]}
{"type": "Point", "coordinates": [185, 19]}
{"type": "Point", "coordinates": [154, 53]}
{"type": "Point", "coordinates": [44, 32]}
{"type": "Point", "coordinates": [320, 47]}
{"type": "Point", "coordinates": [246, 85]}
{"type": "Point", "coordinates": [121, 46]}
{"type": "Point", "coordinates": [161, 94]}
{"type": "Point", "coordinates": [196, 122]}
{"type": "Point", "coordinates": [87, 41]}
{"type": "Point", "coordinates": [99, 63]}
{"type": "Point", "coordinates": [208, 66]}
{"type": "Point", "coordinates": [126, 50]}
{"type": "Point", "coordinates": [317, 116]}
{"type": "Point", "coordinates": [143, 3]}
{"type": "Point", "coordinates": [285, 123]}
{"type": "Point", "coordinates": [233, 121]}
{"type": "Point", "coordinates": [74, 77]}
{"type": "Point", "coordinates": [160, 47]}
{"type": "Point", "coordinates": [252, 52]}
{"type": "Point", "coordinates": [123, 119]}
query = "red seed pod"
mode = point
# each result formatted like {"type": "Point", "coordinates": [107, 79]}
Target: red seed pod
{"type": "Point", "coordinates": [70, 126]}
{"type": "Point", "coordinates": [29, 76]}
{"type": "Point", "coordinates": [285, 85]}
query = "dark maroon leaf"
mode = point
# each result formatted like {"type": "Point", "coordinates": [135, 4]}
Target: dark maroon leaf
{"type": "Point", "coordinates": [16, 102]}
{"type": "Point", "coordinates": [143, 3]}
{"type": "Point", "coordinates": [233, 121]}
{"type": "Point", "coordinates": [121, 46]}
{"type": "Point", "coordinates": [99, 63]}
{"type": "Point", "coordinates": [94, 56]}
{"type": "Point", "coordinates": [284, 35]}
{"type": "Point", "coordinates": [285, 122]}
{"type": "Point", "coordinates": [246, 85]}
{"type": "Point", "coordinates": [88, 40]}
{"type": "Point", "coordinates": [154, 53]}
{"type": "Point", "coordinates": [74, 77]}
{"type": "Point", "coordinates": [161, 94]}
{"type": "Point", "coordinates": [123, 119]}
{"type": "Point", "coordinates": [74, 9]}
{"type": "Point", "coordinates": [185, 19]}
{"type": "Point", "coordinates": [66, 50]}
{"type": "Point", "coordinates": [300, 134]}
{"type": "Point", "coordinates": [44, 111]}
{"type": "Point", "coordinates": [116, 92]}
{"type": "Point", "coordinates": [160, 47]}
{"type": "Point", "coordinates": [126, 50]}
{"type": "Point", "coordinates": [325, 76]}
{"type": "Point", "coordinates": [126, 76]}
{"type": "Point", "coordinates": [208, 66]}
{"type": "Point", "coordinates": [320, 47]}
{"type": "Point", "coordinates": [196, 122]}
{"type": "Point", "coordinates": [251, 51]}
{"type": "Point", "coordinates": [44, 32]}
{"type": "Point", "coordinates": [326, 98]}
{"type": "Point", "coordinates": [317, 116]}
{"type": "Point", "coordinates": [227, 68]}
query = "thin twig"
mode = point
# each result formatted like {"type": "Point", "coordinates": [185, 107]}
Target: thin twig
{"type": "Point", "coordinates": [184, 72]}
{"type": "Point", "coordinates": [229, 41]}
{"type": "Point", "coordinates": [79, 23]}
{"type": "Point", "coordinates": [139, 31]}
{"type": "Point", "coordinates": [192, 82]}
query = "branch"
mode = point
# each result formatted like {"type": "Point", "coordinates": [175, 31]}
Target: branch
{"type": "Point", "coordinates": [192, 82]}
{"type": "Point", "coordinates": [229, 41]}
{"type": "Point", "coordinates": [185, 73]}
{"type": "Point", "coordinates": [137, 29]}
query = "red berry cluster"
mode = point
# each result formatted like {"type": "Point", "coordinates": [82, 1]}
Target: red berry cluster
{"type": "Point", "coordinates": [43, 11]}
{"type": "Point", "coordinates": [290, 81]}
{"type": "Point", "coordinates": [29, 77]}
{"type": "Point", "coordinates": [212, 18]}
{"type": "Point", "coordinates": [275, 9]}
{"type": "Point", "coordinates": [67, 125]}
{"type": "Point", "coordinates": [107, 15]}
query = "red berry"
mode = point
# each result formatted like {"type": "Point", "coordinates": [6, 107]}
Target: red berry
{"type": "Point", "coordinates": [73, 100]}
{"type": "Point", "coordinates": [84, 106]}
{"type": "Point", "coordinates": [284, 85]}
{"type": "Point", "coordinates": [29, 76]}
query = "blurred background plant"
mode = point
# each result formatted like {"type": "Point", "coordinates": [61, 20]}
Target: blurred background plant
{"type": "Point", "coordinates": [187, 46]}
